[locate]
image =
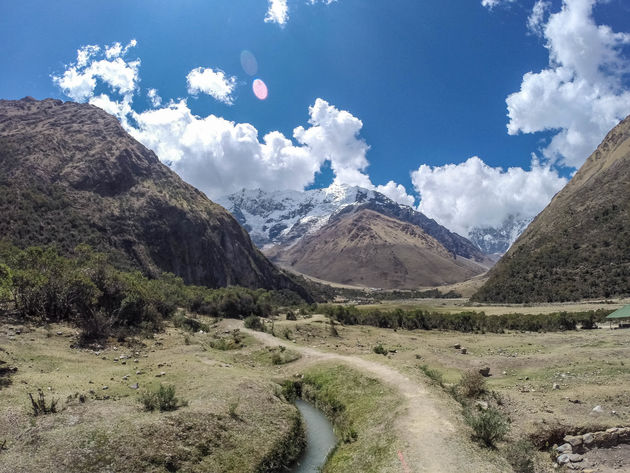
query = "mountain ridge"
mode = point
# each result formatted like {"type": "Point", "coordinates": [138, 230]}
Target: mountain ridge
{"type": "Point", "coordinates": [70, 174]}
{"type": "Point", "coordinates": [284, 217]}
{"type": "Point", "coordinates": [579, 245]}
{"type": "Point", "coordinates": [363, 247]}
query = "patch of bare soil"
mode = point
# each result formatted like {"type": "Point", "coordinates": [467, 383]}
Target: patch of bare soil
{"type": "Point", "coordinates": [607, 460]}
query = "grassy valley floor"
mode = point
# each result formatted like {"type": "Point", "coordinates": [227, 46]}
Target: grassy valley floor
{"type": "Point", "coordinates": [238, 418]}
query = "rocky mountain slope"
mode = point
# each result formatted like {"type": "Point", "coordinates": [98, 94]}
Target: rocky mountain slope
{"type": "Point", "coordinates": [579, 246]}
{"type": "Point", "coordinates": [363, 247]}
{"type": "Point", "coordinates": [70, 174]}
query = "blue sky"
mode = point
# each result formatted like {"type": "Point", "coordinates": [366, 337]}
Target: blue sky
{"type": "Point", "coordinates": [428, 81]}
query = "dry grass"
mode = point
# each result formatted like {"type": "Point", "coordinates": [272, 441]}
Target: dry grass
{"type": "Point", "coordinates": [110, 431]}
{"type": "Point", "coordinates": [589, 366]}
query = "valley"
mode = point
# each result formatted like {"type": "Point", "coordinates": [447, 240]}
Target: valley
{"type": "Point", "coordinates": [394, 406]}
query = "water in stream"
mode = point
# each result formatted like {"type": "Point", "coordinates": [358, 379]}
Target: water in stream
{"type": "Point", "coordinates": [320, 439]}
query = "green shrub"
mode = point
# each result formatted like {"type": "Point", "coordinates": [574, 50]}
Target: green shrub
{"type": "Point", "coordinates": [254, 322]}
{"type": "Point", "coordinates": [163, 399]}
{"type": "Point", "coordinates": [95, 327]}
{"type": "Point", "coordinates": [472, 384]}
{"type": "Point", "coordinates": [6, 283]}
{"type": "Point", "coordinates": [233, 342]}
{"type": "Point", "coordinates": [189, 323]}
{"type": "Point", "coordinates": [433, 374]}
{"type": "Point", "coordinates": [489, 426]}
{"type": "Point", "coordinates": [380, 349]}
{"type": "Point", "coordinates": [520, 455]}
{"type": "Point", "coordinates": [291, 390]}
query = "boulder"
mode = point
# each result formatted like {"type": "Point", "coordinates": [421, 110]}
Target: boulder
{"type": "Point", "coordinates": [563, 459]}
{"type": "Point", "coordinates": [574, 440]}
{"type": "Point", "coordinates": [565, 448]}
{"type": "Point", "coordinates": [485, 372]}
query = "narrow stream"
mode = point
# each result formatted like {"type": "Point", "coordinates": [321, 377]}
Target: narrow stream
{"type": "Point", "coordinates": [320, 439]}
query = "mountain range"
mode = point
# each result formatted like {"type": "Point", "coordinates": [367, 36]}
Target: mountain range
{"type": "Point", "coordinates": [70, 174]}
{"type": "Point", "coordinates": [578, 247]}
{"type": "Point", "coordinates": [350, 235]}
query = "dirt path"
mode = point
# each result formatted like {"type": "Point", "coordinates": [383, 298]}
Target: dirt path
{"type": "Point", "coordinates": [429, 441]}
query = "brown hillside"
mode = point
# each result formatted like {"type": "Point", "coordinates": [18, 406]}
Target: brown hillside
{"type": "Point", "coordinates": [70, 174]}
{"type": "Point", "coordinates": [369, 249]}
{"type": "Point", "coordinates": [579, 246]}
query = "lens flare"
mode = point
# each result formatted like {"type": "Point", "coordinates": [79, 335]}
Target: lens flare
{"type": "Point", "coordinates": [260, 89]}
{"type": "Point", "coordinates": [249, 63]}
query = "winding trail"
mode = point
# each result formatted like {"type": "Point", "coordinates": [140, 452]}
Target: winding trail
{"type": "Point", "coordinates": [428, 439]}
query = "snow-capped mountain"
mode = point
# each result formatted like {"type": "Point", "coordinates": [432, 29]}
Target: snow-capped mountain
{"type": "Point", "coordinates": [497, 240]}
{"type": "Point", "coordinates": [282, 218]}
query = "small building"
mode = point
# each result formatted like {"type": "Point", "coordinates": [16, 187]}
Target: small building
{"type": "Point", "coordinates": [622, 316]}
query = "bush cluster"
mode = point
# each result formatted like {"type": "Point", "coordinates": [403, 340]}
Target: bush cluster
{"type": "Point", "coordinates": [162, 399]}
{"type": "Point", "coordinates": [469, 322]}
{"type": "Point", "coordinates": [489, 426]}
{"type": "Point", "coordinates": [37, 283]}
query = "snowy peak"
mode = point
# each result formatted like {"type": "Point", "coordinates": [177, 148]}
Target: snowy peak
{"type": "Point", "coordinates": [497, 240]}
{"type": "Point", "coordinates": [282, 218]}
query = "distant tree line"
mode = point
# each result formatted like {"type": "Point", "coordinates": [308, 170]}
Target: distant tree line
{"type": "Point", "coordinates": [470, 322]}
{"type": "Point", "coordinates": [38, 284]}
{"type": "Point", "coordinates": [325, 293]}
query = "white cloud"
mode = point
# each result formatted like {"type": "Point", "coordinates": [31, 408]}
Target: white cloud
{"type": "Point", "coordinates": [397, 193]}
{"type": "Point", "coordinates": [473, 194]}
{"type": "Point", "coordinates": [80, 79]}
{"type": "Point", "coordinates": [216, 155]}
{"type": "Point", "coordinates": [493, 3]}
{"type": "Point", "coordinates": [219, 156]}
{"type": "Point", "coordinates": [212, 82]}
{"type": "Point", "coordinates": [536, 19]}
{"type": "Point", "coordinates": [278, 12]}
{"type": "Point", "coordinates": [334, 136]}
{"type": "Point", "coordinates": [154, 97]}
{"type": "Point", "coordinates": [581, 95]}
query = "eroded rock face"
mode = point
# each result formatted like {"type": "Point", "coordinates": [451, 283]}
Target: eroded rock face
{"type": "Point", "coordinates": [70, 174]}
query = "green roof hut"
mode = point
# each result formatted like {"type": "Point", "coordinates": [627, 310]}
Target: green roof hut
{"type": "Point", "coordinates": [620, 315]}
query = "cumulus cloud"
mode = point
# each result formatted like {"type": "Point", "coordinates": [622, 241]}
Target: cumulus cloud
{"type": "Point", "coordinates": [397, 193]}
{"type": "Point", "coordinates": [216, 155]}
{"type": "Point", "coordinates": [473, 194]}
{"type": "Point", "coordinates": [278, 12]}
{"type": "Point", "coordinates": [212, 82]}
{"type": "Point", "coordinates": [95, 67]}
{"type": "Point", "coordinates": [219, 156]}
{"type": "Point", "coordinates": [581, 95]}
{"type": "Point", "coordinates": [334, 136]}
